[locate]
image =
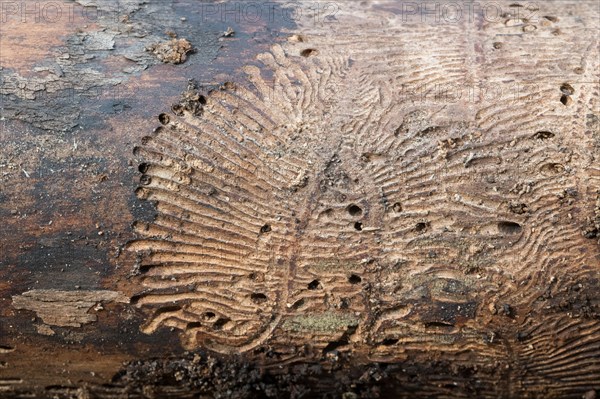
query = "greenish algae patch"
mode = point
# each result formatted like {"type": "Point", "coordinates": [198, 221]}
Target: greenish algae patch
{"type": "Point", "coordinates": [321, 322]}
{"type": "Point", "coordinates": [334, 266]}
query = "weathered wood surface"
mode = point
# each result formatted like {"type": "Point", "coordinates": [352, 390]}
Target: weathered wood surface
{"type": "Point", "coordinates": [365, 199]}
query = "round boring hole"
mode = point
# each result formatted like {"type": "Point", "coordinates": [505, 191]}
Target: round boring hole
{"type": "Point", "coordinates": [358, 226]}
{"type": "Point", "coordinates": [421, 226]}
{"type": "Point", "coordinates": [143, 167]}
{"type": "Point", "coordinates": [209, 315]}
{"type": "Point", "coordinates": [145, 180]}
{"type": "Point", "coordinates": [177, 109]}
{"type": "Point", "coordinates": [164, 119]}
{"type": "Point", "coordinates": [543, 135]}
{"type": "Point", "coordinates": [354, 279]}
{"type": "Point", "coordinates": [258, 297]}
{"type": "Point", "coordinates": [265, 229]}
{"type": "Point", "coordinates": [220, 323]}
{"type": "Point", "coordinates": [509, 227]}
{"type": "Point", "coordinates": [309, 52]}
{"type": "Point", "coordinates": [566, 100]}
{"type": "Point", "coordinates": [355, 210]}
{"type": "Point", "coordinates": [567, 89]}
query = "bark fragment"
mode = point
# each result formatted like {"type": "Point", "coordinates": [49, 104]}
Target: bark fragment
{"type": "Point", "coordinates": [65, 308]}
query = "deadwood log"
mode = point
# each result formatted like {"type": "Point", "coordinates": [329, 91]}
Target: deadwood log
{"type": "Point", "coordinates": [352, 199]}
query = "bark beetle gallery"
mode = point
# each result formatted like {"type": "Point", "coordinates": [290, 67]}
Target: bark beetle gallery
{"type": "Point", "coordinates": [371, 199]}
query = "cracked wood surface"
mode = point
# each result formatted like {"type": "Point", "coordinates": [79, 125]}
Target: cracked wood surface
{"type": "Point", "coordinates": [372, 205]}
